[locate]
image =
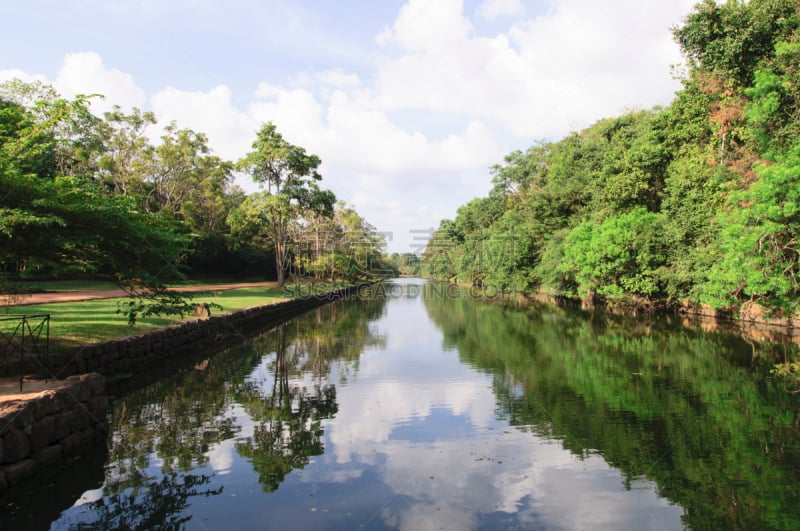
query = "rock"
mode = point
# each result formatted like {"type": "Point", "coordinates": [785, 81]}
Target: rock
{"type": "Point", "coordinates": [26, 416]}
{"type": "Point", "coordinates": [82, 419]}
{"type": "Point", "coordinates": [16, 472]}
{"type": "Point", "coordinates": [87, 435]}
{"type": "Point", "coordinates": [48, 456]}
{"type": "Point", "coordinates": [64, 424]}
{"type": "Point", "coordinates": [46, 406]}
{"type": "Point", "coordinates": [96, 383]}
{"type": "Point", "coordinates": [70, 444]}
{"type": "Point", "coordinates": [42, 433]}
{"type": "Point", "coordinates": [98, 406]}
{"type": "Point", "coordinates": [15, 445]}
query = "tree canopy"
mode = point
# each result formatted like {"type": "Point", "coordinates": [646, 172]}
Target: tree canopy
{"type": "Point", "coordinates": [86, 196]}
{"type": "Point", "coordinates": [696, 202]}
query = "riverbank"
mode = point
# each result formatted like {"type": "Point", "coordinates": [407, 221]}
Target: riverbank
{"type": "Point", "coordinates": [752, 320]}
{"type": "Point", "coordinates": [48, 422]}
{"type": "Point", "coordinates": [61, 407]}
{"type": "Point", "coordinates": [137, 353]}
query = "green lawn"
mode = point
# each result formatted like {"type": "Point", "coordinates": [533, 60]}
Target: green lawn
{"type": "Point", "coordinates": [74, 323]}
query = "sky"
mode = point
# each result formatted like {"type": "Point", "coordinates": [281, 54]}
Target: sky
{"type": "Point", "coordinates": [407, 103]}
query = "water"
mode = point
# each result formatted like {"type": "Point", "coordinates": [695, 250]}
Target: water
{"type": "Point", "coordinates": [423, 409]}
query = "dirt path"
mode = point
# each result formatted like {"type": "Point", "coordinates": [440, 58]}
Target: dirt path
{"type": "Point", "coordinates": [72, 296]}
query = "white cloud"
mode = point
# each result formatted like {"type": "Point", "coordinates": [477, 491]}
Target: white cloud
{"type": "Point", "coordinates": [543, 76]}
{"type": "Point", "coordinates": [412, 135]}
{"type": "Point", "coordinates": [492, 9]}
{"type": "Point", "coordinates": [422, 25]}
{"type": "Point", "coordinates": [85, 73]}
{"type": "Point", "coordinates": [13, 73]}
{"type": "Point", "coordinates": [230, 131]}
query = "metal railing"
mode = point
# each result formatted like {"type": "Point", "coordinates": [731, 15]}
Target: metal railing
{"type": "Point", "coordinates": [21, 334]}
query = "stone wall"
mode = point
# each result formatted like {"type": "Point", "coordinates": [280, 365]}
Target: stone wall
{"type": "Point", "coordinates": [134, 354]}
{"type": "Point", "coordinates": [54, 419]}
{"type": "Point", "coordinates": [42, 427]}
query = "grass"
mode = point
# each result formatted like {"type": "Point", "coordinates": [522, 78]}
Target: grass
{"type": "Point", "coordinates": [76, 323]}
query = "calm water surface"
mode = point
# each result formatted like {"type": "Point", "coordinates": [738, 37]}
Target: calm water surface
{"type": "Point", "coordinates": [422, 409]}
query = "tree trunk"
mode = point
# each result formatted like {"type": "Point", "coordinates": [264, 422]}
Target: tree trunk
{"type": "Point", "coordinates": [280, 254]}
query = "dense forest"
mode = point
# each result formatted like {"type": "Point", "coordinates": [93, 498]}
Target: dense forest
{"type": "Point", "coordinates": [697, 202]}
{"type": "Point", "coordinates": [95, 197]}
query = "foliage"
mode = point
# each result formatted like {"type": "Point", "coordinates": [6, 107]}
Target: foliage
{"type": "Point", "coordinates": [693, 202]}
{"type": "Point", "coordinates": [692, 410]}
{"type": "Point", "coordinates": [758, 257]}
{"type": "Point", "coordinates": [290, 176]}
{"type": "Point", "coordinates": [617, 257]}
{"type": "Point", "coordinates": [162, 434]}
{"type": "Point", "coordinates": [91, 198]}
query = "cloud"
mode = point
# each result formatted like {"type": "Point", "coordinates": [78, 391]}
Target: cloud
{"type": "Point", "coordinates": [13, 73]}
{"type": "Point", "coordinates": [492, 9]}
{"type": "Point", "coordinates": [229, 130]}
{"type": "Point", "coordinates": [543, 76]}
{"type": "Point", "coordinates": [85, 73]}
{"type": "Point", "coordinates": [411, 135]}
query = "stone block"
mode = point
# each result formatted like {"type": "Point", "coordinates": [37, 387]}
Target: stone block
{"type": "Point", "coordinates": [96, 383]}
{"type": "Point", "coordinates": [48, 456]}
{"type": "Point", "coordinates": [98, 406]}
{"type": "Point", "coordinates": [17, 472]}
{"type": "Point", "coordinates": [70, 444]}
{"type": "Point", "coordinates": [64, 424]}
{"type": "Point", "coordinates": [82, 419]}
{"type": "Point", "coordinates": [42, 433]}
{"type": "Point", "coordinates": [87, 435]}
{"type": "Point", "coordinates": [46, 406]}
{"type": "Point", "coordinates": [25, 415]}
{"type": "Point", "coordinates": [62, 401]}
{"type": "Point", "coordinates": [15, 445]}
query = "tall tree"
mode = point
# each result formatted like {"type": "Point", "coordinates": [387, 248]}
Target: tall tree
{"type": "Point", "coordinates": [289, 175]}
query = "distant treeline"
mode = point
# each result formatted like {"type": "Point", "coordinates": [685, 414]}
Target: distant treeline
{"type": "Point", "coordinates": [697, 202]}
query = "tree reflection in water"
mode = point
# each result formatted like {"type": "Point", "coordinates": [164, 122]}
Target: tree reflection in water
{"type": "Point", "coordinates": [689, 409]}
{"type": "Point", "coordinates": [161, 435]}
{"type": "Point", "coordinates": [289, 429]}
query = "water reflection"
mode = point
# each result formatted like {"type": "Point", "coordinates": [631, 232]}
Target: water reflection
{"type": "Point", "coordinates": [172, 440]}
{"type": "Point", "coordinates": [693, 411]}
{"type": "Point", "coordinates": [421, 409]}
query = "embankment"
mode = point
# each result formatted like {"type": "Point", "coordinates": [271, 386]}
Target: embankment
{"type": "Point", "coordinates": [139, 353]}
{"type": "Point", "coordinates": [53, 419]}
{"type": "Point", "coordinates": [49, 423]}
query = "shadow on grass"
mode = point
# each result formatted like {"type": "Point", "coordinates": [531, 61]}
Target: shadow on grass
{"type": "Point", "coordinates": [77, 323]}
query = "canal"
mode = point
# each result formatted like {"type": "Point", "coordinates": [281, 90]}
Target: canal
{"type": "Point", "coordinates": [420, 407]}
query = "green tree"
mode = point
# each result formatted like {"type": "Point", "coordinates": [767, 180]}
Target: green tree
{"type": "Point", "coordinates": [290, 176]}
{"type": "Point", "coordinates": [616, 258]}
{"type": "Point", "coordinates": [758, 250]}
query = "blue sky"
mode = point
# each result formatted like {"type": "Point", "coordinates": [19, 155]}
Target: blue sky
{"type": "Point", "coordinates": [407, 102]}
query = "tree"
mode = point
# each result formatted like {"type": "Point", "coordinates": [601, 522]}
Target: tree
{"type": "Point", "coordinates": [758, 257]}
{"type": "Point", "coordinates": [57, 216]}
{"type": "Point", "coordinates": [127, 151]}
{"type": "Point", "coordinates": [617, 258]}
{"type": "Point", "coordinates": [290, 176]}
